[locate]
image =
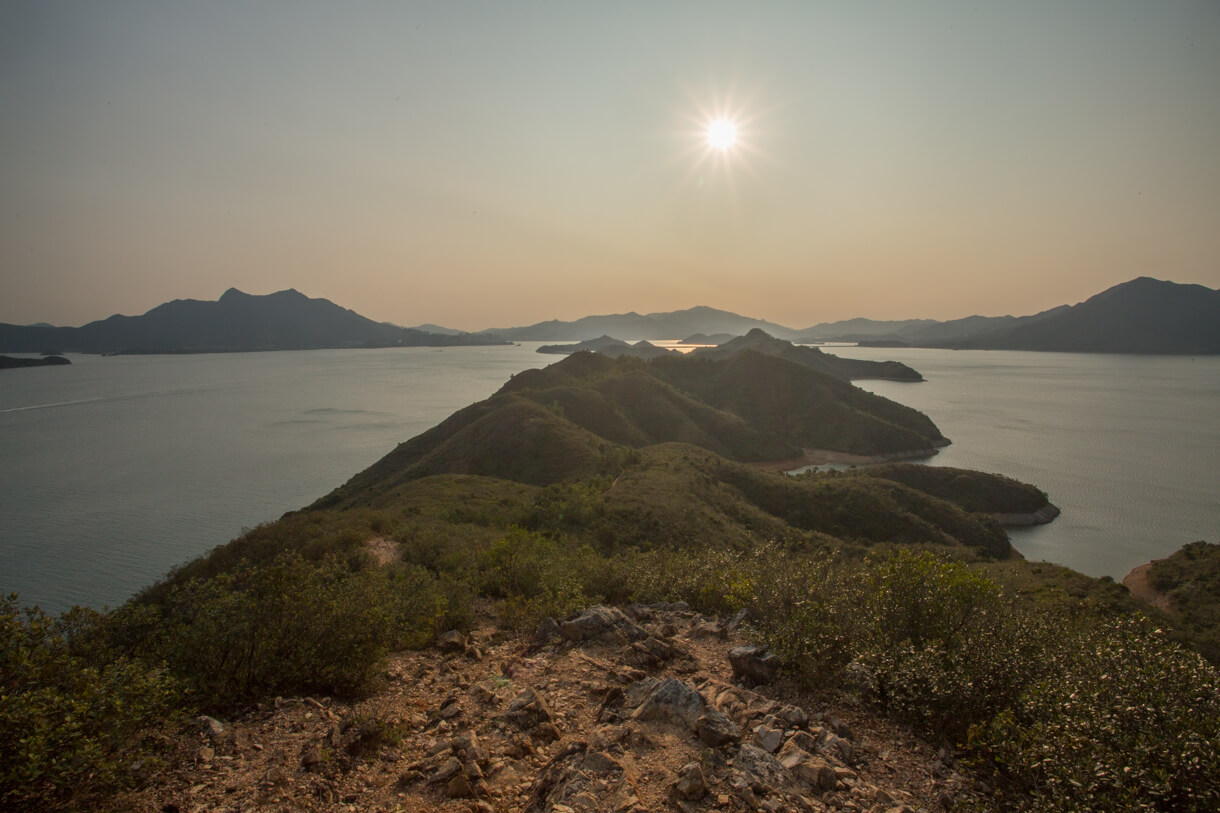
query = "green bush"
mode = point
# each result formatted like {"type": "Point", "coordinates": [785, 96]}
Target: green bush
{"type": "Point", "coordinates": [70, 727]}
{"type": "Point", "coordinates": [1124, 719]}
{"type": "Point", "coordinates": [537, 578]}
{"type": "Point", "coordinates": [290, 626]}
{"type": "Point", "coordinates": [422, 605]}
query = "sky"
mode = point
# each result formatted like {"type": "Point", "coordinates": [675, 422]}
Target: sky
{"type": "Point", "coordinates": [483, 165]}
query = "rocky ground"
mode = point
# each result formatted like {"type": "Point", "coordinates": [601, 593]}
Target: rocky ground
{"type": "Point", "coordinates": [643, 709]}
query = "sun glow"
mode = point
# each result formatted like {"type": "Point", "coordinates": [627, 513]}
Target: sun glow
{"type": "Point", "coordinates": [721, 134]}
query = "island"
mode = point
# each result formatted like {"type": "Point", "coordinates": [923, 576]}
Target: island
{"type": "Point", "coordinates": [11, 363]}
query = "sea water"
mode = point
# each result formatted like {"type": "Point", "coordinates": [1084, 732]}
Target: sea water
{"type": "Point", "coordinates": [114, 470]}
{"type": "Point", "coordinates": [1127, 446]}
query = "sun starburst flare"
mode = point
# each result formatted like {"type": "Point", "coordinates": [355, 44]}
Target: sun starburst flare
{"type": "Point", "coordinates": [721, 134]}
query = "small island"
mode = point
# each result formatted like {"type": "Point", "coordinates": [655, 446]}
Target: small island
{"type": "Point", "coordinates": [12, 363]}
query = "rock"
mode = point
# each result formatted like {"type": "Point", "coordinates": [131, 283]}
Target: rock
{"type": "Point", "coordinates": [814, 771]}
{"type": "Point", "coordinates": [449, 768]}
{"type": "Point", "coordinates": [465, 743]}
{"type": "Point", "coordinates": [528, 710]}
{"type": "Point", "coordinates": [704, 629]}
{"type": "Point", "coordinates": [757, 663]}
{"type": "Point", "coordinates": [451, 641]}
{"type": "Point", "coordinates": [805, 741]}
{"type": "Point", "coordinates": [759, 768]}
{"type": "Point", "coordinates": [793, 716]}
{"type": "Point", "coordinates": [715, 729]}
{"type": "Point", "coordinates": [216, 730]}
{"type": "Point", "coordinates": [837, 746]}
{"type": "Point", "coordinates": [767, 738]}
{"type": "Point", "coordinates": [738, 619]}
{"type": "Point", "coordinates": [506, 777]}
{"type": "Point", "coordinates": [548, 629]}
{"type": "Point", "coordinates": [650, 652]}
{"type": "Point", "coordinates": [459, 787]}
{"type": "Point", "coordinates": [601, 623]}
{"type": "Point", "coordinates": [690, 785]}
{"type": "Point", "coordinates": [674, 701]}
{"type": "Point", "coordinates": [845, 774]}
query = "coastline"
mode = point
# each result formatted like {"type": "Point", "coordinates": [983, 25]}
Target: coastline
{"type": "Point", "coordinates": [1042, 516]}
{"type": "Point", "coordinates": [820, 457]}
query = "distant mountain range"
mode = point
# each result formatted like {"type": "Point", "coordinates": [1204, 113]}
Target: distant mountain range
{"type": "Point", "coordinates": [671, 325]}
{"type": "Point", "coordinates": [287, 320]}
{"type": "Point", "coordinates": [1141, 316]}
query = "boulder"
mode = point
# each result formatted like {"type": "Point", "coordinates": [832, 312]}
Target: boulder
{"type": "Point", "coordinates": [451, 641]}
{"type": "Point", "coordinates": [715, 729]}
{"type": "Point", "coordinates": [601, 623]}
{"type": "Point", "coordinates": [756, 663]}
{"type": "Point", "coordinates": [761, 771]}
{"type": "Point", "coordinates": [674, 701]}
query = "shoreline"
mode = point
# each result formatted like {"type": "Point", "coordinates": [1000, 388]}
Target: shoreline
{"type": "Point", "coordinates": [819, 457]}
{"type": "Point", "coordinates": [1042, 516]}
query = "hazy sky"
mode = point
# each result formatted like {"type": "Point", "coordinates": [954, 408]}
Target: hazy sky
{"type": "Point", "coordinates": [496, 164]}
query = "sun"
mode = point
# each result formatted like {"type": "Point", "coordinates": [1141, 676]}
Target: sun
{"type": "Point", "coordinates": [721, 134]}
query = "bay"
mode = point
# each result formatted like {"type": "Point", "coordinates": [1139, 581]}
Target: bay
{"type": "Point", "coordinates": [1127, 446]}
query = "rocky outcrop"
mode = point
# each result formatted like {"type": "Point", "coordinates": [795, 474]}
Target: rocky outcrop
{"type": "Point", "coordinates": [570, 720]}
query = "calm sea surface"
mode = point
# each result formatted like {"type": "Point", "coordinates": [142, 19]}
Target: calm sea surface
{"type": "Point", "coordinates": [1127, 446]}
{"type": "Point", "coordinates": [116, 469]}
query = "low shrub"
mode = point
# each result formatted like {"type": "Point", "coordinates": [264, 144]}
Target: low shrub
{"type": "Point", "coordinates": [1123, 719]}
{"type": "Point", "coordinates": [290, 626]}
{"type": "Point", "coordinates": [70, 727]}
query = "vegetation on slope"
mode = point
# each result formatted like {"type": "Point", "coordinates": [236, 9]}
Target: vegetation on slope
{"type": "Point", "coordinates": [893, 586]}
{"type": "Point", "coordinates": [1191, 580]}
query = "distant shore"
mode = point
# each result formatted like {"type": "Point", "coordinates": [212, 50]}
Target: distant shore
{"type": "Point", "coordinates": [821, 457]}
{"type": "Point", "coordinates": [11, 363]}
